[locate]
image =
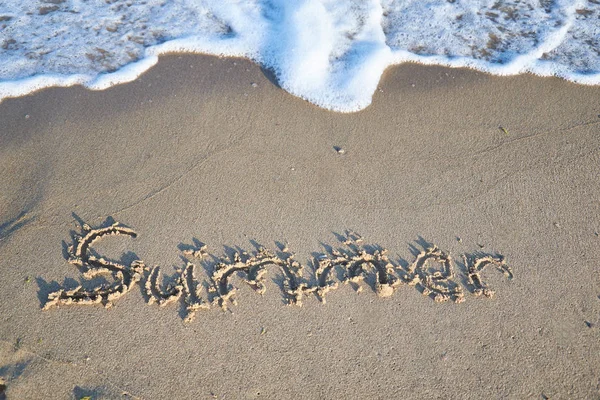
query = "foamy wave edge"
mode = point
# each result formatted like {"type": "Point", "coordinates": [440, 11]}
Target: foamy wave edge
{"type": "Point", "coordinates": [130, 72]}
{"type": "Point", "coordinates": [350, 90]}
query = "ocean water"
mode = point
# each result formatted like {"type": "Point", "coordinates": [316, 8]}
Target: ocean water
{"type": "Point", "coordinates": [329, 52]}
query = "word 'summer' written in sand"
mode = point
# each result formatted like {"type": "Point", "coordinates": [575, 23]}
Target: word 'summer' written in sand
{"type": "Point", "coordinates": [432, 273]}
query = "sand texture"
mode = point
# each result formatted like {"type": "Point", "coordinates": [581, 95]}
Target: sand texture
{"type": "Point", "coordinates": [202, 234]}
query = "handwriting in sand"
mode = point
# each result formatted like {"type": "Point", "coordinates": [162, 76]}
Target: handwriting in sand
{"type": "Point", "coordinates": [432, 273]}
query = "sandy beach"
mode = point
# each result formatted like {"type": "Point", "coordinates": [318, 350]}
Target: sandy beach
{"type": "Point", "coordinates": [204, 150]}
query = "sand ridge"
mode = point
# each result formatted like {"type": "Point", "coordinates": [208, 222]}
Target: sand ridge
{"type": "Point", "coordinates": [125, 277]}
{"type": "Point", "coordinates": [432, 272]}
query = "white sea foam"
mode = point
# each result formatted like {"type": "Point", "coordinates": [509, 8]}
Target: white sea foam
{"type": "Point", "coordinates": [329, 52]}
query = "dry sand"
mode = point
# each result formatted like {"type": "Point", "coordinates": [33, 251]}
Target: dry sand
{"type": "Point", "coordinates": [194, 151]}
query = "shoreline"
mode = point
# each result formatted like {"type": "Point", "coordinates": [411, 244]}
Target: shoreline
{"type": "Point", "coordinates": [129, 73]}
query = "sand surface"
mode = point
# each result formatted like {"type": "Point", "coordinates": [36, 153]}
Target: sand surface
{"type": "Point", "coordinates": [193, 152]}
